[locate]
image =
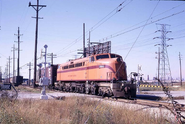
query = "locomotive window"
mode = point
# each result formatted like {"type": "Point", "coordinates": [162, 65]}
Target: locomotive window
{"type": "Point", "coordinates": [65, 67]}
{"type": "Point", "coordinates": [116, 56]}
{"type": "Point", "coordinates": [113, 56]}
{"type": "Point", "coordinates": [102, 57]}
{"type": "Point", "coordinates": [78, 64]}
{"type": "Point", "coordinates": [91, 59]}
{"type": "Point", "coordinates": [71, 66]}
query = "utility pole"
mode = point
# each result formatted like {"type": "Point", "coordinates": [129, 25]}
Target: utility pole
{"type": "Point", "coordinates": [164, 60]}
{"type": "Point", "coordinates": [51, 55]}
{"type": "Point", "coordinates": [6, 70]}
{"type": "Point", "coordinates": [180, 69]}
{"type": "Point", "coordinates": [84, 51]}
{"type": "Point", "coordinates": [9, 69]}
{"type": "Point", "coordinates": [89, 42]}
{"type": "Point", "coordinates": [18, 59]}
{"type": "Point", "coordinates": [37, 8]}
{"type": "Point", "coordinates": [14, 62]}
{"type": "Point", "coordinates": [29, 64]}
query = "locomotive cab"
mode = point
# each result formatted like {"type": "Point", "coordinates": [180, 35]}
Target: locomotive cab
{"type": "Point", "coordinates": [116, 67]}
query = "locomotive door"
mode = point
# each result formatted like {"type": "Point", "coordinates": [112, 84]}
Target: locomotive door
{"type": "Point", "coordinates": [109, 76]}
{"type": "Point", "coordinates": [87, 72]}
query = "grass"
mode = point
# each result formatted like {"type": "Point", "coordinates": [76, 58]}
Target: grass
{"type": "Point", "coordinates": [73, 110]}
{"type": "Point", "coordinates": [30, 89]}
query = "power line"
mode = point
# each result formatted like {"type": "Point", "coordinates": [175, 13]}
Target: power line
{"type": "Point", "coordinates": [103, 20]}
{"type": "Point", "coordinates": [107, 17]}
{"type": "Point", "coordinates": [121, 33]}
{"type": "Point", "coordinates": [137, 37]}
{"type": "Point", "coordinates": [141, 30]}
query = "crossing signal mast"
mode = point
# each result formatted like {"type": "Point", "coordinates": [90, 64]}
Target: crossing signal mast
{"type": "Point", "coordinates": [164, 69]}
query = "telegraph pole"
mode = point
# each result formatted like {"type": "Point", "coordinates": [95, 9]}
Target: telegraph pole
{"type": "Point", "coordinates": [51, 55]}
{"type": "Point", "coordinates": [37, 8]}
{"type": "Point", "coordinates": [14, 62]}
{"type": "Point", "coordinates": [18, 59]}
{"type": "Point", "coordinates": [89, 42]}
{"type": "Point", "coordinates": [29, 64]}
{"type": "Point", "coordinates": [180, 69]}
{"type": "Point", "coordinates": [9, 69]}
{"type": "Point", "coordinates": [84, 51]}
{"type": "Point", "coordinates": [6, 70]}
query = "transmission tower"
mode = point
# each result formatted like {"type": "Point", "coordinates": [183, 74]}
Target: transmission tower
{"type": "Point", "coordinates": [164, 70]}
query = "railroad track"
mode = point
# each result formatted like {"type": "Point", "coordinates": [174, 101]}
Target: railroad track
{"type": "Point", "coordinates": [157, 104]}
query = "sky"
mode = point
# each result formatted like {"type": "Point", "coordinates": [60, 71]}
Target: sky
{"type": "Point", "coordinates": [131, 31]}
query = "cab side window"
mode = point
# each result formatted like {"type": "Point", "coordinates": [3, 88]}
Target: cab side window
{"type": "Point", "coordinates": [91, 59]}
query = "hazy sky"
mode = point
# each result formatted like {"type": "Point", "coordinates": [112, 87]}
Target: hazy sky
{"type": "Point", "coordinates": [61, 30]}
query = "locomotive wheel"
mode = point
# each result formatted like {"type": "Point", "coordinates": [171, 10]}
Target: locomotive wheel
{"type": "Point", "coordinates": [82, 90]}
{"type": "Point", "coordinates": [92, 91]}
{"type": "Point", "coordinates": [100, 92]}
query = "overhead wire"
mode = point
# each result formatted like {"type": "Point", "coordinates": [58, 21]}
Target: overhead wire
{"type": "Point", "coordinates": [107, 18]}
{"type": "Point", "coordinates": [116, 35]}
{"type": "Point", "coordinates": [103, 20]}
{"type": "Point", "coordinates": [137, 37]}
{"type": "Point", "coordinates": [132, 27]}
{"type": "Point", "coordinates": [141, 30]}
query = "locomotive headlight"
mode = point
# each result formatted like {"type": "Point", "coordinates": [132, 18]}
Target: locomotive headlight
{"type": "Point", "coordinates": [101, 66]}
{"type": "Point", "coordinates": [118, 59]}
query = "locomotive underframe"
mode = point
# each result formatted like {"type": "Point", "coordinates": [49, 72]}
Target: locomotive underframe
{"type": "Point", "coordinates": [111, 89]}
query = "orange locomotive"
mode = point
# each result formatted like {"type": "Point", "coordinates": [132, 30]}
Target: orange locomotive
{"type": "Point", "coordinates": [100, 74]}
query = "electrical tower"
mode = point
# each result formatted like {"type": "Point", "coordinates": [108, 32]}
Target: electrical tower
{"type": "Point", "coordinates": [164, 70]}
{"type": "Point", "coordinates": [37, 8]}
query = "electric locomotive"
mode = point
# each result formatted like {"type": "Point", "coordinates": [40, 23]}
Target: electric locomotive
{"type": "Point", "coordinates": [99, 74]}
